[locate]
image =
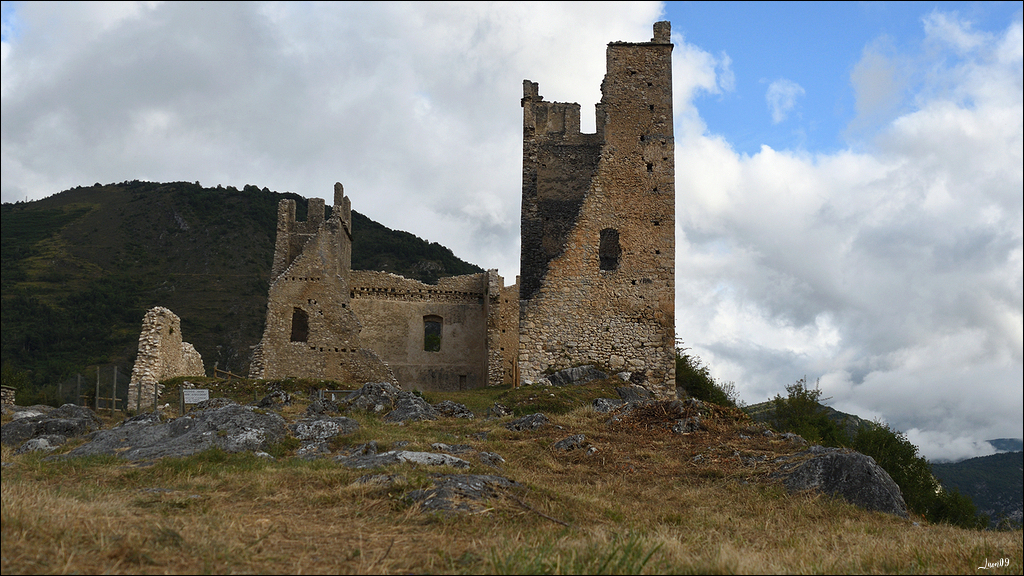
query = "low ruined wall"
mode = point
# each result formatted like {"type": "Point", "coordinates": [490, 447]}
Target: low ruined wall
{"type": "Point", "coordinates": [392, 311]}
{"type": "Point", "coordinates": [7, 396]}
{"type": "Point", "coordinates": [162, 355]}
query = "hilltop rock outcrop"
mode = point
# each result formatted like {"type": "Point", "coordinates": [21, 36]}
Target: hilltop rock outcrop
{"type": "Point", "coordinates": [227, 425]}
{"type": "Point", "coordinates": [55, 425]}
{"type": "Point", "coordinates": [850, 475]}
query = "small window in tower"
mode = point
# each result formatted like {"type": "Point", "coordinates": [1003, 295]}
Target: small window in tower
{"type": "Point", "coordinates": [609, 250]}
{"type": "Point", "coordinates": [432, 333]}
{"type": "Point", "coordinates": [300, 325]}
{"type": "Point", "coordinates": [650, 167]}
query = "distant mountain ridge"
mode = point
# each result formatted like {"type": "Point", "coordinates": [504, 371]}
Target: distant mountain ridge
{"type": "Point", "coordinates": [1007, 444]}
{"type": "Point", "coordinates": [995, 483]}
{"type": "Point", "coordinates": [79, 269]}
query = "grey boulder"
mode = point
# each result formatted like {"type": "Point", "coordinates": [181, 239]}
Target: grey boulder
{"type": "Point", "coordinates": [230, 427]}
{"type": "Point", "coordinates": [853, 476]}
{"type": "Point", "coordinates": [577, 375]}
{"type": "Point", "coordinates": [409, 408]}
{"type": "Point", "coordinates": [456, 493]}
{"type": "Point", "coordinates": [69, 420]}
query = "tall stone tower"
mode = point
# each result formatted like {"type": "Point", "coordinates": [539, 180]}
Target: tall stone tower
{"type": "Point", "coordinates": [598, 224]}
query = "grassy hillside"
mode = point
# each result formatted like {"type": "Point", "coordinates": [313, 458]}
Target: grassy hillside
{"type": "Point", "coordinates": [645, 500]}
{"type": "Point", "coordinates": [80, 268]}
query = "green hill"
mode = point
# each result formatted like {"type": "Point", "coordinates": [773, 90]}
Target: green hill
{"type": "Point", "coordinates": [80, 268]}
{"type": "Point", "coordinates": [995, 483]}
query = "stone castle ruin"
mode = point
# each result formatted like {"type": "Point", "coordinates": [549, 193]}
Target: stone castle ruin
{"type": "Point", "coordinates": [598, 224]}
{"type": "Point", "coordinates": [325, 320]}
{"type": "Point", "coordinates": [162, 355]}
{"type": "Point", "coordinates": [597, 265]}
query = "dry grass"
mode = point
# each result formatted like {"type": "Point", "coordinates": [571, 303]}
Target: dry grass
{"type": "Point", "coordinates": [640, 503]}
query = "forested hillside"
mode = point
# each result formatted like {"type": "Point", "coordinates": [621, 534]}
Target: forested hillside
{"type": "Point", "coordinates": [995, 483]}
{"type": "Point", "coordinates": [80, 268]}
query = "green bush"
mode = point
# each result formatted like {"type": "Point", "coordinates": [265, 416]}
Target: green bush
{"type": "Point", "coordinates": [694, 377]}
{"type": "Point", "coordinates": [801, 412]}
{"type": "Point", "coordinates": [921, 490]}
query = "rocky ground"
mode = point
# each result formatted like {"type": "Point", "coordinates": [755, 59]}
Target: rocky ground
{"type": "Point", "coordinates": [718, 437]}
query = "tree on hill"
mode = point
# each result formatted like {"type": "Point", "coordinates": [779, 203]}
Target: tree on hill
{"type": "Point", "coordinates": [801, 412]}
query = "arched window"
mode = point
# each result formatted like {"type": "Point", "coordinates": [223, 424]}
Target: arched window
{"type": "Point", "coordinates": [300, 325]}
{"type": "Point", "coordinates": [432, 333]}
{"type": "Point", "coordinates": [609, 251]}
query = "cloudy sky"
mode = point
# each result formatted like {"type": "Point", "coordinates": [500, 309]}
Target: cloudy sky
{"type": "Point", "coordinates": [848, 176]}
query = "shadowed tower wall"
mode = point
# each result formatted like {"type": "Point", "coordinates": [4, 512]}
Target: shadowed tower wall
{"type": "Point", "coordinates": [598, 224]}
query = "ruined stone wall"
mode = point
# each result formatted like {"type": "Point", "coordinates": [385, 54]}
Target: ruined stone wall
{"type": "Point", "coordinates": [327, 321]}
{"type": "Point", "coordinates": [508, 338]}
{"type": "Point", "coordinates": [394, 310]}
{"type": "Point", "coordinates": [311, 331]}
{"type": "Point", "coordinates": [7, 396]}
{"type": "Point", "coordinates": [502, 330]}
{"type": "Point", "coordinates": [598, 246]}
{"type": "Point", "coordinates": [162, 355]}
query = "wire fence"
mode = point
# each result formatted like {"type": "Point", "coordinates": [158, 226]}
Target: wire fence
{"type": "Point", "coordinates": [103, 387]}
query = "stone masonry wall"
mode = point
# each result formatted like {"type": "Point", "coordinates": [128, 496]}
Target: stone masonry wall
{"type": "Point", "coordinates": [311, 331]}
{"type": "Point", "coordinates": [598, 266]}
{"type": "Point", "coordinates": [508, 338]}
{"type": "Point", "coordinates": [327, 321]}
{"type": "Point", "coordinates": [393, 311]}
{"type": "Point", "coordinates": [7, 396]}
{"type": "Point", "coordinates": [162, 355]}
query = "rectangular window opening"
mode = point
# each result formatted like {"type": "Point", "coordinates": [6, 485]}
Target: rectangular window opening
{"type": "Point", "coordinates": [432, 333]}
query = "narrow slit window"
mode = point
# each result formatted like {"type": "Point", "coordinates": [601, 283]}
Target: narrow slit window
{"type": "Point", "coordinates": [432, 333]}
{"type": "Point", "coordinates": [609, 250]}
{"type": "Point", "coordinates": [300, 325]}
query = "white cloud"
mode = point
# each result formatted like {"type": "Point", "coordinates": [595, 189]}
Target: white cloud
{"type": "Point", "coordinates": [781, 97]}
{"type": "Point", "coordinates": [879, 81]}
{"type": "Point", "coordinates": [695, 72]}
{"type": "Point", "coordinates": [894, 272]}
{"type": "Point", "coordinates": [951, 30]}
{"type": "Point", "coordinates": [944, 446]}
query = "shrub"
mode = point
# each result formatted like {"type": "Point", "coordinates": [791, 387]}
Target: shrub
{"type": "Point", "coordinates": [801, 412]}
{"type": "Point", "coordinates": [921, 490]}
{"type": "Point", "coordinates": [694, 377]}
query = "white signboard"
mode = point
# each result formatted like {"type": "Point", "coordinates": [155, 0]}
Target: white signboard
{"type": "Point", "coordinates": [194, 395]}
